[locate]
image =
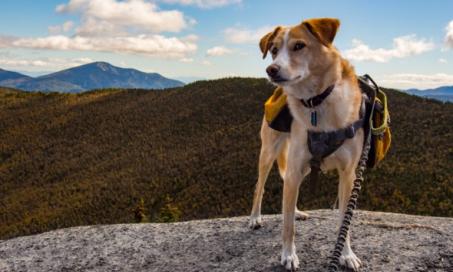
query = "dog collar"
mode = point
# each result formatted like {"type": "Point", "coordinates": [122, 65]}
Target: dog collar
{"type": "Point", "coordinates": [316, 100]}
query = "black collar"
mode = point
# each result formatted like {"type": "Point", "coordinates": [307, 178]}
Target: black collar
{"type": "Point", "coordinates": [316, 100]}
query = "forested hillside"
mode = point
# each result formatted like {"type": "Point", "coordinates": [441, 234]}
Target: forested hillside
{"type": "Point", "coordinates": [190, 152]}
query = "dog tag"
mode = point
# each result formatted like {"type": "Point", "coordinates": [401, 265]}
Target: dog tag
{"type": "Point", "coordinates": [314, 118]}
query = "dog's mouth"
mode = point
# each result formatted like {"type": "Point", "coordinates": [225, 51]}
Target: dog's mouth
{"type": "Point", "coordinates": [281, 80]}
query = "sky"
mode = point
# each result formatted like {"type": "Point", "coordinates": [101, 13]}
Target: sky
{"type": "Point", "coordinates": [402, 44]}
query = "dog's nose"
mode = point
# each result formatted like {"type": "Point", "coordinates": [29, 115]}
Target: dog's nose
{"type": "Point", "coordinates": [272, 70]}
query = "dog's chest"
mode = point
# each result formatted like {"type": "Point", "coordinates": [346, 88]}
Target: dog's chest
{"type": "Point", "coordinates": [326, 117]}
{"type": "Point", "coordinates": [330, 117]}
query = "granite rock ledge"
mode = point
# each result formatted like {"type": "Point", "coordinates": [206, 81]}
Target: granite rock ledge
{"type": "Point", "coordinates": [384, 242]}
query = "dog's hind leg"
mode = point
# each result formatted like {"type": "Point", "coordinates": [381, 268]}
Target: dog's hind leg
{"type": "Point", "coordinates": [348, 257]}
{"type": "Point", "coordinates": [272, 143]}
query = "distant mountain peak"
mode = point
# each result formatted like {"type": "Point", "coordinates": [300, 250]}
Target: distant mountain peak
{"type": "Point", "coordinates": [95, 75]}
{"type": "Point", "coordinates": [443, 93]}
{"type": "Point", "coordinates": [10, 79]}
{"type": "Point", "coordinates": [101, 64]}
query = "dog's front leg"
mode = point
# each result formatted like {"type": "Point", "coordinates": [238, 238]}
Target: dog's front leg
{"type": "Point", "coordinates": [290, 192]}
{"type": "Point", "coordinates": [293, 179]}
{"type": "Point", "coordinates": [348, 257]}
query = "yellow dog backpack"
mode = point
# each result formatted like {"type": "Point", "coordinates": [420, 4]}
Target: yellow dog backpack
{"type": "Point", "coordinates": [279, 117]}
{"type": "Point", "coordinates": [276, 111]}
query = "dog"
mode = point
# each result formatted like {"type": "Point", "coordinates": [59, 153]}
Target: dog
{"type": "Point", "coordinates": [305, 63]}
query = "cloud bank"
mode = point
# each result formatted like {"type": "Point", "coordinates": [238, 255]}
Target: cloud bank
{"type": "Point", "coordinates": [419, 81]}
{"type": "Point", "coordinates": [404, 46]}
{"type": "Point", "coordinates": [152, 45]}
{"type": "Point", "coordinates": [44, 63]}
{"type": "Point", "coordinates": [218, 51]}
{"type": "Point", "coordinates": [101, 17]}
{"type": "Point", "coordinates": [239, 35]}
{"type": "Point", "coordinates": [130, 26]}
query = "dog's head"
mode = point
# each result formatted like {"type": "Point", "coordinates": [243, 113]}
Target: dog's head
{"type": "Point", "coordinates": [299, 51]}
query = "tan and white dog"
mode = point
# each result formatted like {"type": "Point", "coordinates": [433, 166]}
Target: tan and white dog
{"type": "Point", "coordinates": [305, 63]}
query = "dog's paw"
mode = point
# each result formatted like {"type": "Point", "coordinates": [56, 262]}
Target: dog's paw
{"type": "Point", "coordinates": [351, 261]}
{"type": "Point", "coordinates": [300, 215]}
{"type": "Point", "coordinates": [290, 260]}
{"type": "Point", "coordinates": [255, 222]}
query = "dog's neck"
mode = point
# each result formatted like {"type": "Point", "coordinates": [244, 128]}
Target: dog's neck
{"type": "Point", "coordinates": [340, 108]}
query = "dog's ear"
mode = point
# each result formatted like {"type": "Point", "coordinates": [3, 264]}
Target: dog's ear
{"type": "Point", "coordinates": [324, 29]}
{"type": "Point", "coordinates": [266, 41]}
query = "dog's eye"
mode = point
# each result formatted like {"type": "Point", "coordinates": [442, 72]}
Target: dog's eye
{"type": "Point", "coordinates": [274, 51]}
{"type": "Point", "coordinates": [298, 46]}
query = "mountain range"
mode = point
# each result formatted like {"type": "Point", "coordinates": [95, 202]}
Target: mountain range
{"type": "Point", "coordinates": [444, 93]}
{"type": "Point", "coordinates": [96, 75]}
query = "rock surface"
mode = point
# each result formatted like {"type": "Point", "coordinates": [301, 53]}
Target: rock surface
{"type": "Point", "coordinates": [384, 242]}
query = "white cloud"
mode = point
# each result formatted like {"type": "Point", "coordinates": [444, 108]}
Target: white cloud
{"type": "Point", "coordinates": [218, 51]}
{"type": "Point", "coordinates": [120, 26]}
{"type": "Point", "coordinates": [404, 46]}
{"type": "Point", "coordinates": [449, 35]}
{"type": "Point", "coordinates": [243, 35]}
{"type": "Point", "coordinates": [103, 17]}
{"type": "Point", "coordinates": [441, 60]}
{"type": "Point", "coordinates": [45, 63]}
{"type": "Point", "coordinates": [65, 27]}
{"type": "Point", "coordinates": [419, 81]}
{"type": "Point", "coordinates": [5, 41]}
{"type": "Point", "coordinates": [128, 26]}
{"type": "Point", "coordinates": [152, 45]}
{"type": "Point", "coordinates": [186, 60]}
{"type": "Point", "coordinates": [204, 3]}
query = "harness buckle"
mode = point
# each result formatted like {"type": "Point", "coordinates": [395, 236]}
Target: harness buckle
{"type": "Point", "coordinates": [350, 132]}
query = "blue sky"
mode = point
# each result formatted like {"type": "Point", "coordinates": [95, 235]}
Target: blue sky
{"type": "Point", "coordinates": [403, 44]}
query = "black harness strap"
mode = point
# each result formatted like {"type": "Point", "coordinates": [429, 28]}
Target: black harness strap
{"type": "Point", "coordinates": [322, 144]}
